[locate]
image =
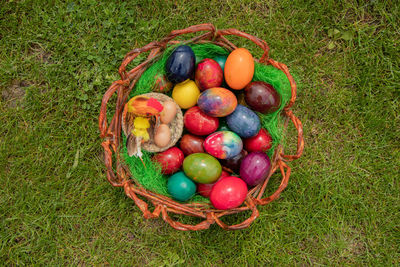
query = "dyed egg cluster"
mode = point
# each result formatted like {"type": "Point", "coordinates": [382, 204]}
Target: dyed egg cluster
{"type": "Point", "coordinates": [223, 152]}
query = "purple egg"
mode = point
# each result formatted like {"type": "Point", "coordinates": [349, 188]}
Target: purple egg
{"type": "Point", "coordinates": [255, 168]}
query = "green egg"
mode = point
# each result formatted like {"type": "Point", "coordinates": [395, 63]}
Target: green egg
{"type": "Point", "coordinates": [181, 187]}
{"type": "Point", "coordinates": [202, 168]}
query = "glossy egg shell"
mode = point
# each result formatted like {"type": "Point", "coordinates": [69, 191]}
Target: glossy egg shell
{"type": "Point", "coordinates": [185, 94]}
{"type": "Point", "coordinates": [190, 144]}
{"type": "Point", "coordinates": [199, 123]}
{"type": "Point", "coordinates": [262, 97]}
{"type": "Point", "coordinates": [221, 61]}
{"type": "Point", "coordinates": [244, 122]}
{"type": "Point", "coordinates": [239, 68]}
{"type": "Point", "coordinates": [255, 168]}
{"type": "Point", "coordinates": [208, 74]}
{"type": "Point", "coordinates": [228, 193]}
{"type": "Point", "coordinates": [180, 64]}
{"type": "Point", "coordinates": [202, 168]}
{"type": "Point", "coordinates": [181, 187]}
{"type": "Point", "coordinates": [223, 145]}
{"type": "Point", "coordinates": [205, 189]}
{"type": "Point", "coordinates": [170, 160]}
{"type": "Point", "coordinates": [217, 102]}
{"type": "Point", "coordinates": [234, 163]}
{"type": "Point", "coordinates": [260, 142]}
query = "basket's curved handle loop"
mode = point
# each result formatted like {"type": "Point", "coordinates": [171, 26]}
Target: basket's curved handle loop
{"type": "Point", "coordinates": [285, 179]}
{"type": "Point", "coordinates": [186, 227]}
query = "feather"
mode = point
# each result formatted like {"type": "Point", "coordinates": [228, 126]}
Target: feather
{"type": "Point", "coordinates": [131, 145]}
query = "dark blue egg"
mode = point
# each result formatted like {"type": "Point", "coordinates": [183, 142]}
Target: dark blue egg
{"type": "Point", "coordinates": [244, 122]}
{"type": "Point", "coordinates": [180, 64]}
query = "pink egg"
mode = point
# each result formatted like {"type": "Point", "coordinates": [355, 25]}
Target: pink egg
{"type": "Point", "coordinates": [208, 74]}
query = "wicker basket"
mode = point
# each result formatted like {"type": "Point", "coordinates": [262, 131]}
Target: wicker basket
{"type": "Point", "coordinates": [111, 135]}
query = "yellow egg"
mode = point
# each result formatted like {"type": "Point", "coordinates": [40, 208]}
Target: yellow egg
{"type": "Point", "coordinates": [169, 111]}
{"type": "Point", "coordinates": [185, 94]}
{"type": "Point", "coordinates": [239, 68]}
{"type": "Point", "coordinates": [162, 135]}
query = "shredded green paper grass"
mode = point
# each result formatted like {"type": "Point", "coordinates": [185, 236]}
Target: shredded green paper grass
{"type": "Point", "coordinates": [151, 177]}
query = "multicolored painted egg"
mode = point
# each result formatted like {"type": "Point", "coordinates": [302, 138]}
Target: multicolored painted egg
{"type": "Point", "coordinates": [199, 123]}
{"type": "Point", "coordinates": [262, 97]}
{"type": "Point", "coordinates": [221, 61]}
{"type": "Point", "coordinates": [228, 193]}
{"type": "Point", "coordinates": [180, 64]}
{"type": "Point", "coordinates": [239, 68]}
{"type": "Point", "coordinates": [181, 187]}
{"type": "Point", "coordinates": [208, 74]}
{"type": "Point", "coordinates": [223, 145]}
{"type": "Point", "coordinates": [244, 122]}
{"type": "Point", "coordinates": [255, 168]}
{"type": "Point", "coordinates": [202, 168]}
{"type": "Point", "coordinates": [185, 94]}
{"type": "Point", "coordinates": [217, 102]}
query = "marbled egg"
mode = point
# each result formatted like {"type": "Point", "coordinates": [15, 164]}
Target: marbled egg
{"type": "Point", "coordinates": [180, 64]}
{"type": "Point", "coordinates": [255, 168]}
{"type": "Point", "coordinates": [202, 168]}
{"type": "Point", "coordinates": [239, 68]}
{"type": "Point", "coordinates": [244, 122]}
{"type": "Point", "coordinates": [223, 145]}
{"type": "Point", "coordinates": [217, 102]}
{"type": "Point", "coordinates": [208, 74]}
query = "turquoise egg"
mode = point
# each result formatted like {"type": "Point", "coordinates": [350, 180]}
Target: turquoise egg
{"type": "Point", "coordinates": [217, 102]}
{"type": "Point", "coordinates": [223, 145]}
{"type": "Point", "coordinates": [181, 187]}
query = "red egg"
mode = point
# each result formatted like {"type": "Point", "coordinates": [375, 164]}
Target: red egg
{"type": "Point", "coordinates": [170, 160]}
{"type": "Point", "coordinates": [199, 123]}
{"type": "Point", "coordinates": [205, 189]}
{"type": "Point", "coordinates": [208, 74]}
{"type": "Point", "coordinates": [261, 142]}
{"type": "Point", "coordinates": [228, 193]}
{"type": "Point", "coordinates": [191, 144]}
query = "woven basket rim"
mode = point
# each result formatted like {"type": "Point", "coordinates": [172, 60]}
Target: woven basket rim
{"type": "Point", "coordinates": [163, 205]}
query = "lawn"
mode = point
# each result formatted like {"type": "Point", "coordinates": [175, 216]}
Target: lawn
{"type": "Point", "coordinates": [342, 205]}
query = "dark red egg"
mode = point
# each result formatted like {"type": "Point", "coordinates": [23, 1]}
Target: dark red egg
{"type": "Point", "coordinates": [208, 74]}
{"type": "Point", "coordinates": [199, 123]}
{"type": "Point", "coordinates": [262, 97]}
{"type": "Point", "coordinates": [234, 163]}
{"type": "Point", "coordinates": [170, 160]}
{"type": "Point", "coordinates": [205, 189]}
{"type": "Point", "coordinates": [261, 142]}
{"type": "Point", "coordinates": [191, 144]}
{"type": "Point", "coordinates": [228, 193]}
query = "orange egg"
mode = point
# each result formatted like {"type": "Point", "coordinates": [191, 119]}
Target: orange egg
{"type": "Point", "coordinates": [239, 68]}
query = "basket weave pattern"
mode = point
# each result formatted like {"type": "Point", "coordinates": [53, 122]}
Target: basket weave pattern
{"type": "Point", "coordinates": [111, 135]}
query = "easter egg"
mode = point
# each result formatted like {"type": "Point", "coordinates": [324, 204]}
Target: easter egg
{"type": "Point", "coordinates": [260, 142]}
{"type": "Point", "coordinates": [205, 189]}
{"type": "Point", "coordinates": [169, 111]}
{"type": "Point", "coordinates": [181, 187]}
{"type": "Point", "coordinates": [228, 193]}
{"type": "Point", "coordinates": [239, 68]}
{"type": "Point", "coordinates": [162, 135]}
{"type": "Point", "coordinates": [255, 168]}
{"type": "Point", "coordinates": [161, 84]}
{"type": "Point", "coordinates": [202, 168]}
{"type": "Point", "coordinates": [185, 94]}
{"type": "Point", "coordinates": [208, 74]}
{"type": "Point", "coordinates": [199, 123]}
{"type": "Point", "coordinates": [191, 144]}
{"type": "Point", "coordinates": [221, 61]}
{"type": "Point", "coordinates": [223, 145]}
{"type": "Point", "coordinates": [217, 102]}
{"type": "Point", "coordinates": [170, 160]}
{"type": "Point", "coordinates": [244, 122]}
{"type": "Point", "coordinates": [234, 163]}
{"type": "Point", "coordinates": [262, 97]}
{"type": "Point", "coordinates": [180, 64]}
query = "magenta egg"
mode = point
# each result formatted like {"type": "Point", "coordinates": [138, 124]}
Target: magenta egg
{"type": "Point", "coordinates": [217, 102]}
{"type": "Point", "coordinates": [255, 168]}
{"type": "Point", "coordinates": [208, 74]}
{"type": "Point", "coordinates": [223, 145]}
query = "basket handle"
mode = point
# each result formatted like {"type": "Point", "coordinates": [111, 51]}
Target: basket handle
{"type": "Point", "coordinates": [300, 139]}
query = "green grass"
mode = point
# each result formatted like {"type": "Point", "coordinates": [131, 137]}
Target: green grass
{"type": "Point", "coordinates": [343, 200]}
